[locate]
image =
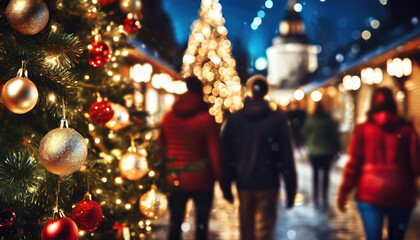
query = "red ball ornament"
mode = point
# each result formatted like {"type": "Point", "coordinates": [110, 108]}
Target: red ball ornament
{"type": "Point", "coordinates": [60, 229]}
{"type": "Point", "coordinates": [101, 112]}
{"type": "Point", "coordinates": [87, 214]}
{"type": "Point", "coordinates": [131, 24]}
{"type": "Point", "coordinates": [106, 3]}
{"type": "Point", "coordinates": [99, 53]}
{"type": "Point", "coordinates": [7, 217]}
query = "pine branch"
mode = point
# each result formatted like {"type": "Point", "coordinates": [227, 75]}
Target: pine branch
{"type": "Point", "coordinates": [19, 176]}
{"type": "Point", "coordinates": [66, 47]}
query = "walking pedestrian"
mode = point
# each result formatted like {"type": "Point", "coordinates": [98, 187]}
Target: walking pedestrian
{"type": "Point", "coordinates": [296, 117]}
{"type": "Point", "coordinates": [322, 141]}
{"type": "Point", "coordinates": [384, 160]}
{"type": "Point", "coordinates": [255, 150]}
{"type": "Point", "coordinates": [190, 135]}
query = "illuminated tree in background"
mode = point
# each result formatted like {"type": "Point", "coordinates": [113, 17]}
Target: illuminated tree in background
{"type": "Point", "coordinates": [208, 56]}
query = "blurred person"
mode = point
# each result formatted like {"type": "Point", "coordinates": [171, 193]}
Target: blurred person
{"type": "Point", "coordinates": [384, 160]}
{"type": "Point", "coordinates": [255, 150]}
{"type": "Point", "coordinates": [189, 134]}
{"type": "Point", "coordinates": [296, 117]}
{"type": "Point", "coordinates": [322, 141]}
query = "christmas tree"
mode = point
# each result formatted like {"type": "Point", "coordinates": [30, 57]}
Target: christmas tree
{"type": "Point", "coordinates": [73, 138]}
{"type": "Point", "coordinates": [208, 56]}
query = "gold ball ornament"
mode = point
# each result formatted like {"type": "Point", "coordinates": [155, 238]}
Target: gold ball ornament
{"type": "Point", "coordinates": [130, 6]}
{"type": "Point", "coordinates": [153, 204]}
{"type": "Point", "coordinates": [63, 151]}
{"type": "Point", "coordinates": [19, 95]}
{"type": "Point", "coordinates": [28, 17]}
{"type": "Point", "coordinates": [133, 166]}
{"type": "Point", "coordinates": [121, 118]}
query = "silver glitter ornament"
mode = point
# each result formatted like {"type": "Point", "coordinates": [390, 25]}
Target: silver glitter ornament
{"type": "Point", "coordinates": [62, 151]}
{"type": "Point", "coordinates": [153, 204]}
{"type": "Point", "coordinates": [28, 17]}
{"type": "Point", "coordinates": [130, 6]}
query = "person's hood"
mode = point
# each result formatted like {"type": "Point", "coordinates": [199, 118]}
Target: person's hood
{"type": "Point", "coordinates": [388, 121]}
{"type": "Point", "coordinates": [255, 108]}
{"type": "Point", "coordinates": [189, 104]}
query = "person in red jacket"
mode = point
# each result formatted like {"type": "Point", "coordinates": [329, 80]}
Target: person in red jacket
{"type": "Point", "coordinates": [190, 136]}
{"type": "Point", "coordinates": [384, 161]}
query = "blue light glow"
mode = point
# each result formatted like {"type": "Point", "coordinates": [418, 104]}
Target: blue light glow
{"type": "Point", "coordinates": [261, 14]}
{"type": "Point", "coordinates": [268, 4]}
{"type": "Point", "coordinates": [257, 21]}
{"type": "Point", "coordinates": [298, 7]}
{"type": "Point", "coordinates": [261, 63]}
{"type": "Point", "coordinates": [253, 26]}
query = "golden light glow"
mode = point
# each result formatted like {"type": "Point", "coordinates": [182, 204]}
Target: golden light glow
{"type": "Point", "coordinates": [298, 94]}
{"type": "Point", "coordinates": [316, 96]}
{"type": "Point", "coordinates": [351, 82]}
{"type": "Point", "coordinates": [399, 68]}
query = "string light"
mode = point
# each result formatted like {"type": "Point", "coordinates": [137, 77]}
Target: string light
{"type": "Point", "coordinates": [118, 180]}
{"type": "Point", "coordinates": [51, 97]}
{"type": "Point", "coordinates": [118, 201]}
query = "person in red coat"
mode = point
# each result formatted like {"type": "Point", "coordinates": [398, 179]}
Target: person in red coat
{"type": "Point", "coordinates": [384, 162]}
{"type": "Point", "coordinates": [190, 136]}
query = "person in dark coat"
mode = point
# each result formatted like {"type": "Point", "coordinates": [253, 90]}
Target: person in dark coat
{"type": "Point", "coordinates": [322, 140]}
{"type": "Point", "coordinates": [383, 164]}
{"type": "Point", "coordinates": [190, 136]}
{"type": "Point", "coordinates": [296, 118]}
{"type": "Point", "coordinates": [255, 151]}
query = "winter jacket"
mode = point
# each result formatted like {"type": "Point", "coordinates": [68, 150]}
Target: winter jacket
{"type": "Point", "coordinates": [256, 149]}
{"type": "Point", "coordinates": [384, 159]}
{"type": "Point", "coordinates": [321, 135]}
{"type": "Point", "coordinates": [190, 136]}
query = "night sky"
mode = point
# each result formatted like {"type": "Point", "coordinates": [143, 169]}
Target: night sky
{"type": "Point", "coordinates": [334, 25]}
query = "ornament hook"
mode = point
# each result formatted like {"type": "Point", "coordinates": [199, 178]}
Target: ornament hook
{"type": "Point", "coordinates": [64, 123]}
{"type": "Point", "coordinates": [133, 144]}
{"type": "Point", "coordinates": [22, 72]}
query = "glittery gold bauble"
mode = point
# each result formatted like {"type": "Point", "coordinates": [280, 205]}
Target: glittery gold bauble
{"type": "Point", "coordinates": [130, 6]}
{"type": "Point", "coordinates": [133, 166]}
{"type": "Point", "coordinates": [28, 17]}
{"type": "Point", "coordinates": [153, 204]}
{"type": "Point", "coordinates": [19, 95]}
{"type": "Point", "coordinates": [121, 118]}
{"type": "Point", "coordinates": [62, 151]}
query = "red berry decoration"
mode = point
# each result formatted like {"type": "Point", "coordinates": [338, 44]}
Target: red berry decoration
{"type": "Point", "coordinates": [7, 218]}
{"type": "Point", "coordinates": [101, 112]}
{"type": "Point", "coordinates": [87, 214]}
{"type": "Point", "coordinates": [131, 23]}
{"type": "Point", "coordinates": [106, 3]}
{"type": "Point", "coordinates": [60, 229]}
{"type": "Point", "coordinates": [99, 53]}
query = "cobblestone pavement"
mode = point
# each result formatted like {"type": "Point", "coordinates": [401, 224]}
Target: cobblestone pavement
{"type": "Point", "coordinates": [303, 222]}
